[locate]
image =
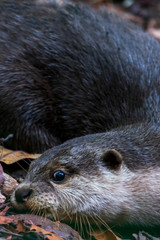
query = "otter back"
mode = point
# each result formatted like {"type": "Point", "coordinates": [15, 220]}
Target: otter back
{"type": "Point", "coordinates": [67, 71]}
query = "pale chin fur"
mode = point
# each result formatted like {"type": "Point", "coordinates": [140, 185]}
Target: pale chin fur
{"type": "Point", "coordinates": [124, 197]}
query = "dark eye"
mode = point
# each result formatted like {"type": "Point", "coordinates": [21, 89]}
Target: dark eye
{"type": "Point", "coordinates": [58, 176]}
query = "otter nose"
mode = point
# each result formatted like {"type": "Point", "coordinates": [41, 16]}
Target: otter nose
{"type": "Point", "coordinates": [22, 194]}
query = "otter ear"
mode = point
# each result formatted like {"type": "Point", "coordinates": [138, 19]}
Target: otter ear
{"type": "Point", "coordinates": [112, 159]}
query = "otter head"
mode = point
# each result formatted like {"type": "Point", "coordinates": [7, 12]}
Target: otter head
{"type": "Point", "coordinates": [71, 180]}
{"type": "Point", "coordinates": [89, 181]}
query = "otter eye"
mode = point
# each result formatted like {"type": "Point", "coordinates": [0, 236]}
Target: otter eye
{"type": "Point", "coordinates": [58, 176]}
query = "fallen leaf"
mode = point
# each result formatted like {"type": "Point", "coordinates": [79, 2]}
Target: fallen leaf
{"type": "Point", "coordinates": [6, 220]}
{"type": "Point", "coordinates": [8, 156]}
{"type": "Point", "coordinates": [50, 236]}
{"type": "Point", "coordinates": [21, 227]}
{"type": "Point", "coordinates": [108, 235]}
{"type": "Point", "coordinates": [61, 230]}
{"type": "Point", "coordinates": [3, 213]}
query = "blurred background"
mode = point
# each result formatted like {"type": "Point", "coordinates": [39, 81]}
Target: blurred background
{"type": "Point", "coordinates": [145, 13]}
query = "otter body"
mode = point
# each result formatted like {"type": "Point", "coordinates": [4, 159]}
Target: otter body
{"type": "Point", "coordinates": [111, 178]}
{"type": "Point", "coordinates": [73, 71]}
{"type": "Point", "coordinates": [67, 71]}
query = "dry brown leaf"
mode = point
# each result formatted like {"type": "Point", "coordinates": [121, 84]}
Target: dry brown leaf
{"type": "Point", "coordinates": [100, 235]}
{"type": "Point", "coordinates": [20, 227]}
{"type": "Point", "coordinates": [3, 212]}
{"type": "Point", "coordinates": [53, 231]}
{"type": "Point", "coordinates": [32, 228]}
{"type": "Point", "coordinates": [50, 236]}
{"type": "Point", "coordinates": [6, 220]}
{"type": "Point", "coordinates": [59, 229]}
{"type": "Point", "coordinates": [8, 156]}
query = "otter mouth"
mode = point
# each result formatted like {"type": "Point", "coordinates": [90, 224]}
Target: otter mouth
{"type": "Point", "coordinates": [78, 221]}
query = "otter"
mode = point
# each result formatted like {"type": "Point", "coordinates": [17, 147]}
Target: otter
{"type": "Point", "coordinates": [111, 177]}
{"type": "Point", "coordinates": [67, 70]}
{"type": "Point", "coordinates": [71, 71]}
